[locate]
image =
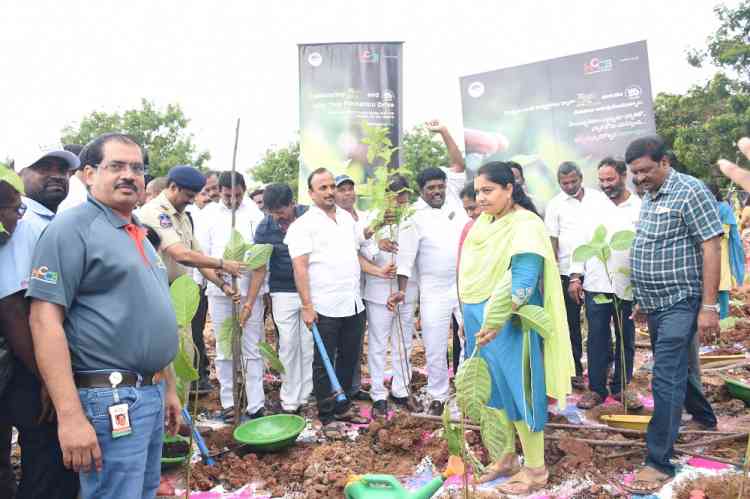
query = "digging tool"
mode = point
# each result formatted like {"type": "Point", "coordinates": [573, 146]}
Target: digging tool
{"type": "Point", "coordinates": [207, 459]}
{"type": "Point", "coordinates": [335, 385]}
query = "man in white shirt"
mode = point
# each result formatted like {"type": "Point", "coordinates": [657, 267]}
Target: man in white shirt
{"type": "Point", "coordinates": [209, 194]}
{"type": "Point", "coordinates": [439, 219]}
{"type": "Point", "coordinates": [383, 325]}
{"type": "Point", "coordinates": [323, 244]}
{"type": "Point", "coordinates": [346, 199]}
{"type": "Point", "coordinates": [589, 280]}
{"type": "Point", "coordinates": [77, 189]}
{"type": "Point", "coordinates": [563, 217]}
{"type": "Point", "coordinates": [213, 234]}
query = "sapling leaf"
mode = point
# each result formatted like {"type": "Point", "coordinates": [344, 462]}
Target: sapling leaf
{"type": "Point", "coordinates": [257, 255]}
{"type": "Point", "coordinates": [185, 299]}
{"type": "Point", "coordinates": [622, 240]}
{"type": "Point", "coordinates": [452, 432]}
{"type": "Point", "coordinates": [499, 308]}
{"type": "Point", "coordinates": [12, 178]}
{"type": "Point", "coordinates": [183, 367]}
{"type": "Point", "coordinates": [727, 323]}
{"type": "Point", "coordinates": [473, 387]}
{"type": "Point", "coordinates": [236, 247]}
{"type": "Point", "coordinates": [601, 299]}
{"type": "Point", "coordinates": [600, 235]}
{"type": "Point", "coordinates": [536, 318]}
{"type": "Point", "coordinates": [625, 271]}
{"type": "Point", "coordinates": [273, 360]}
{"type": "Point", "coordinates": [493, 429]}
{"type": "Point", "coordinates": [224, 338]}
{"type": "Point", "coordinates": [584, 253]}
{"type": "Point", "coordinates": [628, 289]}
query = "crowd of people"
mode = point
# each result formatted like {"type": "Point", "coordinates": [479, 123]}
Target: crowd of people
{"type": "Point", "coordinates": [89, 249]}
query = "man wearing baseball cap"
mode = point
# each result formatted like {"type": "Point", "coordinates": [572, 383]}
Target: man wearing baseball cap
{"type": "Point", "coordinates": [44, 174]}
{"type": "Point", "coordinates": [179, 247]}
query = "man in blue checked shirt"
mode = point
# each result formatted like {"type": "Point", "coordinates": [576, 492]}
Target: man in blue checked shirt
{"type": "Point", "coordinates": [675, 271]}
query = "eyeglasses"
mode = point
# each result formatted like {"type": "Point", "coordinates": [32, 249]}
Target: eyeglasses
{"type": "Point", "coordinates": [119, 167]}
{"type": "Point", "coordinates": [20, 209]}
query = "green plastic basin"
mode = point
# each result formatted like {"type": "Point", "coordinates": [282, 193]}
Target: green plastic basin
{"type": "Point", "coordinates": [179, 459]}
{"type": "Point", "coordinates": [270, 433]}
{"type": "Point", "coordinates": [737, 389]}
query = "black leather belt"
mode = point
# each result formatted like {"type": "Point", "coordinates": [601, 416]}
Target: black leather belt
{"type": "Point", "coordinates": [101, 379]}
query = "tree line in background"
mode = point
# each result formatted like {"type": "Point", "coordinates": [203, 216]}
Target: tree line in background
{"type": "Point", "coordinates": [700, 125]}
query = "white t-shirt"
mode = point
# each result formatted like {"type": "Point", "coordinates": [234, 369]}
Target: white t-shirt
{"type": "Point", "coordinates": [614, 218]}
{"type": "Point", "coordinates": [334, 269]}
{"type": "Point", "coordinates": [377, 289]}
{"type": "Point", "coordinates": [565, 218]}
{"type": "Point", "coordinates": [215, 228]}
{"type": "Point", "coordinates": [77, 194]}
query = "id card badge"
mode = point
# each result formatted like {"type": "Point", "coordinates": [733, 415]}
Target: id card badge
{"type": "Point", "coordinates": [119, 415]}
{"type": "Point", "coordinates": [120, 419]}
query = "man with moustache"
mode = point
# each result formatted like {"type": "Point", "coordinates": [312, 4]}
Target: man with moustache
{"type": "Point", "coordinates": [45, 180]}
{"type": "Point", "coordinates": [621, 214]}
{"type": "Point", "coordinates": [564, 216]}
{"type": "Point", "coordinates": [103, 325]}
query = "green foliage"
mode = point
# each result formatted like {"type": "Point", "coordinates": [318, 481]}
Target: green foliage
{"type": "Point", "coordinates": [224, 338]}
{"type": "Point", "coordinates": [622, 240]}
{"type": "Point", "coordinates": [704, 124]}
{"type": "Point", "coordinates": [602, 299]}
{"type": "Point", "coordinates": [451, 432]}
{"type": "Point", "coordinates": [257, 255]}
{"type": "Point", "coordinates": [272, 359]}
{"type": "Point", "coordinates": [493, 429]}
{"type": "Point", "coordinates": [420, 149]}
{"type": "Point", "coordinates": [536, 318]}
{"type": "Point", "coordinates": [599, 248]}
{"type": "Point", "coordinates": [236, 247]}
{"type": "Point", "coordinates": [496, 315]}
{"type": "Point", "coordinates": [183, 367]}
{"type": "Point", "coordinates": [473, 386]}
{"type": "Point", "coordinates": [9, 176]}
{"type": "Point", "coordinates": [279, 165]}
{"type": "Point", "coordinates": [379, 147]}
{"type": "Point", "coordinates": [729, 47]}
{"type": "Point", "coordinates": [185, 298]}
{"type": "Point", "coordinates": [162, 132]}
{"type": "Point", "coordinates": [727, 323]}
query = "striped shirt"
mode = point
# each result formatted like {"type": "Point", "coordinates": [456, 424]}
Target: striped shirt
{"type": "Point", "coordinates": [667, 257]}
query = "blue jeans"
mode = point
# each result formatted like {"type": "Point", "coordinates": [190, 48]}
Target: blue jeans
{"type": "Point", "coordinates": [599, 343]}
{"type": "Point", "coordinates": [131, 466]}
{"type": "Point", "coordinates": [672, 331]}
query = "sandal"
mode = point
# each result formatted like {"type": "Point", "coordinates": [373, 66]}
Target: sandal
{"type": "Point", "coordinates": [524, 483]}
{"type": "Point", "coordinates": [495, 471]}
{"type": "Point", "coordinates": [351, 416]}
{"type": "Point", "coordinates": [632, 399]}
{"type": "Point", "coordinates": [647, 480]}
{"type": "Point", "coordinates": [589, 400]}
{"type": "Point", "coordinates": [227, 415]}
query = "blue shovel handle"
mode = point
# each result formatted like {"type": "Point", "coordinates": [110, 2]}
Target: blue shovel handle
{"type": "Point", "coordinates": [335, 385]}
{"type": "Point", "coordinates": [198, 438]}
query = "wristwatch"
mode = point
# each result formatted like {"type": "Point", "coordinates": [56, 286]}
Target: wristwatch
{"type": "Point", "coordinates": [713, 308]}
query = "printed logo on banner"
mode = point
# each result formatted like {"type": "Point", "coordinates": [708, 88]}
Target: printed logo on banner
{"type": "Point", "coordinates": [368, 56]}
{"type": "Point", "coordinates": [633, 92]}
{"type": "Point", "coordinates": [315, 59]}
{"type": "Point", "coordinates": [387, 95]}
{"type": "Point", "coordinates": [596, 65]}
{"type": "Point", "coordinates": [476, 89]}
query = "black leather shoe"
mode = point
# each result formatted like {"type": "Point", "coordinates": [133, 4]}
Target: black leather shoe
{"type": "Point", "coordinates": [436, 408]}
{"type": "Point", "coordinates": [380, 409]}
{"type": "Point", "coordinates": [409, 404]}
{"type": "Point", "coordinates": [257, 414]}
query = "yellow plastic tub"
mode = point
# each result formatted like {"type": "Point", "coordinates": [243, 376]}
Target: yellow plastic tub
{"type": "Point", "coordinates": [627, 421]}
{"type": "Point", "coordinates": [710, 359]}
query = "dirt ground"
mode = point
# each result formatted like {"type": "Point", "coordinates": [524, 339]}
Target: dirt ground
{"type": "Point", "coordinates": [320, 468]}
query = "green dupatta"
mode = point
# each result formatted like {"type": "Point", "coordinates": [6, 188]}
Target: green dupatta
{"type": "Point", "coordinates": [484, 274]}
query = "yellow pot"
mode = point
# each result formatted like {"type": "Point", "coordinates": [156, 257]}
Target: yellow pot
{"type": "Point", "coordinates": [627, 421]}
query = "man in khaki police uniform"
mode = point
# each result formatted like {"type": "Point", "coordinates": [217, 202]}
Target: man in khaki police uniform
{"type": "Point", "coordinates": [179, 248]}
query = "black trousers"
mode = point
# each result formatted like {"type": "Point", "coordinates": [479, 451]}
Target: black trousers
{"type": "Point", "coordinates": [342, 338]}
{"type": "Point", "coordinates": [456, 345]}
{"type": "Point", "coordinates": [573, 311]}
{"type": "Point", "coordinates": [198, 325]}
{"type": "Point", "coordinates": [42, 471]}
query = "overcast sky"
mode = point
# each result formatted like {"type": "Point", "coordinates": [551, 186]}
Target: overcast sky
{"type": "Point", "coordinates": [220, 60]}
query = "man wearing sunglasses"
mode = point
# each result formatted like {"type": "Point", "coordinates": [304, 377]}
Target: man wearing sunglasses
{"type": "Point", "coordinates": [45, 180]}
